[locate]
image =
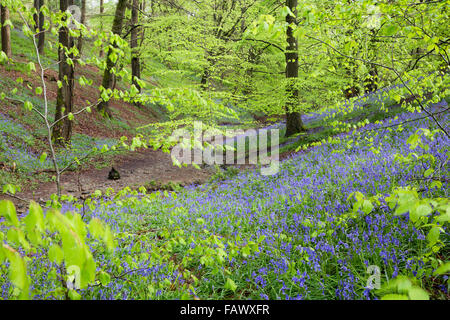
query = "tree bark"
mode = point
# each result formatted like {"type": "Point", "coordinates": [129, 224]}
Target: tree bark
{"type": "Point", "coordinates": [371, 80]}
{"type": "Point", "coordinates": [294, 122]}
{"type": "Point", "coordinates": [6, 32]}
{"type": "Point", "coordinates": [62, 131]}
{"type": "Point", "coordinates": [107, 82]}
{"type": "Point", "coordinates": [39, 24]}
{"type": "Point", "coordinates": [102, 9]}
{"type": "Point", "coordinates": [135, 60]}
{"type": "Point", "coordinates": [82, 21]}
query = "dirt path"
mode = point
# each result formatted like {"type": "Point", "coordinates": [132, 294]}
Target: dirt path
{"type": "Point", "coordinates": [149, 168]}
{"type": "Point", "coordinates": [136, 169]}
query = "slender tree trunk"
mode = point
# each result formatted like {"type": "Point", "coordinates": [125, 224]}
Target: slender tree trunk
{"type": "Point", "coordinates": [135, 60]}
{"type": "Point", "coordinates": [294, 122]}
{"type": "Point", "coordinates": [82, 21]}
{"type": "Point", "coordinates": [143, 3]}
{"type": "Point", "coordinates": [102, 9]}
{"type": "Point", "coordinates": [62, 131]}
{"type": "Point", "coordinates": [107, 75]}
{"type": "Point", "coordinates": [152, 7]}
{"type": "Point", "coordinates": [39, 24]}
{"type": "Point", "coordinates": [371, 80]}
{"type": "Point", "coordinates": [6, 32]}
{"type": "Point", "coordinates": [204, 80]}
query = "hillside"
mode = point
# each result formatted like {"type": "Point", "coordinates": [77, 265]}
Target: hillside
{"type": "Point", "coordinates": [234, 152]}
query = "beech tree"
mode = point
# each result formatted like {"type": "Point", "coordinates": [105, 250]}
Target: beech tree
{"type": "Point", "coordinates": [5, 30]}
{"type": "Point", "coordinates": [111, 56]}
{"type": "Point", "coordinates": [102, 9]}
{"type": "Point", "coordinates": [294, 122]}
{"type": "Point", "coordinates": [135, 33]}
{"type": "Point", "coordinates": [39, 24]}
{"type": "Point", "coordinates": [82, 21]}
{"type": "Point", "coordinates": [62, 131]}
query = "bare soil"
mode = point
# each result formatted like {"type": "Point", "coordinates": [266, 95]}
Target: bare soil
{"type": "Point", "coordinates": [136, 169]}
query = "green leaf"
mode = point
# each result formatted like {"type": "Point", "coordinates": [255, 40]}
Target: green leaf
{"type": "Point", "coordinates": [391, 29]}
{"type": "Point", "coordinates": [423, 210]}
{"type": "Point", "coordinates": [367, 206]}
{"type": "Point", "coordinates": [413, 140]}
{"type": "Point", "coordinates": [286, 11]}
{"type": "Point", "coordinates": [43, 157]}
{"type": "Point", "coordinates": [28, 105]}
{"type": "Point", "coordinates": [74, 295]}
{"type": "Point", "coordinates": [393, 296]}
{"type": "Point", "coordinates": [416, 293]}
{"type": "Point", "coordinates": [70, 116]}
{"type": "Point", "coordinates": [9, 188]}
{"type": "Point", "coordinates": [96, 228]}
{"type": "Point", "coordinates": [104, 95]}
{"type": "Point", "coordinates": [445, 268]}
{"type": "Point", "coordinates": [39, 90]}
{"type": "Point", "coordinates": [3, 57]}
{"type": "Point", "coordinates": [433, 235]}
{"type": "Point", "coordinates": [428, 172]}
{"type": "Point", "coordinates": [436, 184]}
{"type": "Point", "coordinates": [403, 284]}
{"type": "Point", "coordinates": [31, 66]}
{"type": "Point", "coordinates": [17, 271]}
{"type": "Point", "coordinates": [230, 285]}
{"type": "Point", "coordinates": [104, 278]}
{"type": "Point", "coordinates": [108, 238]}
{"type": "Point", "coordinates": [55, 254]}
{"type": "Point", "coordinates": [97, 193]}
{"type": "Point", "coordinates": [34, 223]}
{"type": "Point", "coordinates": [8, 210]}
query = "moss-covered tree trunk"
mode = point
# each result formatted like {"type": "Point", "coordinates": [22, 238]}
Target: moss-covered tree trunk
{"type": "Point", "coordinates": [371, 80]}
{"type": "Point", "coordinates": [135, 33]}
{"type": "Point", "coordinates": [294, 122]}
{"type": "Point", "coordinates": [5, 31]}
{"type": "Point", "coordinates": [108, 76]}
{"type": "Point", "coordinates": [39, 24]}
{"type": "Point", "coordinates": [82, 21]}
{"type": "Point", "coordinates": [102, 9]}
{"type": "Point", "coordinates": [62, 131]}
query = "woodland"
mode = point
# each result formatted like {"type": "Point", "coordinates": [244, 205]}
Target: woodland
{"type": "Point", "coordinates": [314, 138]}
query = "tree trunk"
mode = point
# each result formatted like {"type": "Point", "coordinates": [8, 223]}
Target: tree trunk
{"type": "Point", "coordinates": [142, 29]}
{"type": "Point", "coordinates": [6, 32]}
{"type": "Point", "coordinates": [39, 24]}
{"type": "Point", "coordinates": [371, 80]}
{"type": "Point", "coordinates": [204, 80]}
{"type": "Point", "coordinates": [294, 122]}
{"type": "Point", "coordinates": [82, 21]}
{"type": "Point", "coordinates": [102, 9]}
{"type": "Point", "coordinates": [62, 131]}
{"type": "Point", "coordinates": [135, 60]}
{"type": "Point", "coordinates": [107, 75]}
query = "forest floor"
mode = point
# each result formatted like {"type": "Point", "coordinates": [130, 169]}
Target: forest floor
{"type": "Point", "coordinates": [152, 169]}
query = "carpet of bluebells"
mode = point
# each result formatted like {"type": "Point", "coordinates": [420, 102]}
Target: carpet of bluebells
{"type": "Point", "coordinates": [265, 237]}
